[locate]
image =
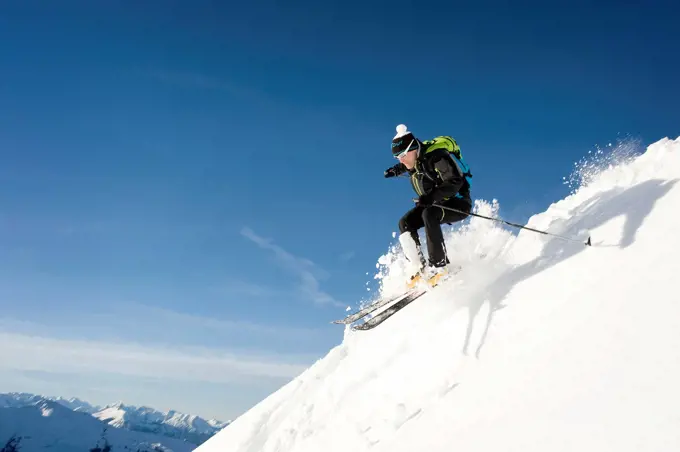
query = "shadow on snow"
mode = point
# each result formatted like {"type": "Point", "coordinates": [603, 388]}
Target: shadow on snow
{"type": "Point", "coordinates": [635, 203]}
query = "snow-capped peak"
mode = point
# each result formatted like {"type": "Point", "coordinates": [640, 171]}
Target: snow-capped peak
{"type": "Point", "coordinates": [49, 425]}
{"type": "Point", "coordinates": [46, 410]}
{"type": "Point", "coordinates": [172, 424]}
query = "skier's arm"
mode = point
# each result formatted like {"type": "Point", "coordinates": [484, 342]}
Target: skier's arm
{"type": "Point", "coordinates": [452, 179]}
{"type": "Point", "coordinates": [395, 170]}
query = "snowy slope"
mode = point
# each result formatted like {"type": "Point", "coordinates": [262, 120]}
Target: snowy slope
{"type": "Point", "coordinates": [51, 426]}
{"type": "Point", "coordinates": [539, 344]}
{"type": "Point", "coordinates": [172, 424]}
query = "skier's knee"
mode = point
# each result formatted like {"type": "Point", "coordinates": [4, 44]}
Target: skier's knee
{"type": "Point", "coordinates": [432, 214]}
{"type": "Point", "coordinates": [403, 225]}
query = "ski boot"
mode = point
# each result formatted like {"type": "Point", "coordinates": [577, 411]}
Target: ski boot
{"type": "Point", "coordinates": [436, 274]}
{"type": "Point", "coordinates": [414, 280]}
{"type": "Point", "coordinates": [432, 276]}
{"type": "Point", "coordinates": [414, 255]}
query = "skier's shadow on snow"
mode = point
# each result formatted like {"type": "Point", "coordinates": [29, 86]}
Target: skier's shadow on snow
{"type": "Point", "coordinates": [634, 203]}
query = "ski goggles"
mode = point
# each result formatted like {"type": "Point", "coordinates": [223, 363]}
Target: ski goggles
{"type": "Point", "coordinates": [399, 151]}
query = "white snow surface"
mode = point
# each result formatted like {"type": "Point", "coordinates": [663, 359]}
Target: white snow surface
{"type": "Point", "coordinates": [538, 344]}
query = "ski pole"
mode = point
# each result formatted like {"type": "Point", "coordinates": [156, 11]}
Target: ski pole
{"type": "Point", "coordinates": [587, 243]}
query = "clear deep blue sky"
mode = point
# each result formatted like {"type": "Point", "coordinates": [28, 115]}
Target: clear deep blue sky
{"type": "Point", "coordinates": [210, 174]}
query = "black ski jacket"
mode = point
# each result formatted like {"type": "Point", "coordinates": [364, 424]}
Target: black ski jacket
{"type": "Point", "coordinates": [437, 174]}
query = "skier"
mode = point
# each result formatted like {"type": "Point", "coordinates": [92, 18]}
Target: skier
{"type": "Point", "coordinates": [438, 175]}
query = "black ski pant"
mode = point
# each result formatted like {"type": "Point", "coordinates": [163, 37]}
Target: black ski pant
{"type": "Point", "coordinates": [431, 218]}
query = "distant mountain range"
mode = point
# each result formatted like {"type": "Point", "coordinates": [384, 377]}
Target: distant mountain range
{"type": "Point", "coordinates": [56, 422]}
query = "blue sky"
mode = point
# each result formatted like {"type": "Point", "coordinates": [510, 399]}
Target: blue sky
{"type": "Point", "coordinates": [199, 184]}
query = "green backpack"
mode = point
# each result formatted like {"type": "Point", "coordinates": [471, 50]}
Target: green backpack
{"type": "Point", "coordinates": [448, 143]}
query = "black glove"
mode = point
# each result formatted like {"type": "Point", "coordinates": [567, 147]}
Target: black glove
{"type": "Point", "coordinates": [425, 200]}
{"type": "Point", "coordinates": [395, 170]}
{"type": "Point", "coordinates": [390, 172]}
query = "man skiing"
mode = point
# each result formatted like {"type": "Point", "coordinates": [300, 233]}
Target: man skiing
{"type": "Point", "coordinates": [438, 176]}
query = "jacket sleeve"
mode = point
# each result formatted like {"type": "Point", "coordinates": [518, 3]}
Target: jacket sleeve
{"type": "Point", "coordinates": [397, 169]}
{"type": "Point", "coordinates": [451, 179]}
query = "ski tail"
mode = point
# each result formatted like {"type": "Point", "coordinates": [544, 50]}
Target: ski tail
{"type": "Point", "coordinates": [389, 312]}
{"type": "Point", "coordinates": [371, 308]}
